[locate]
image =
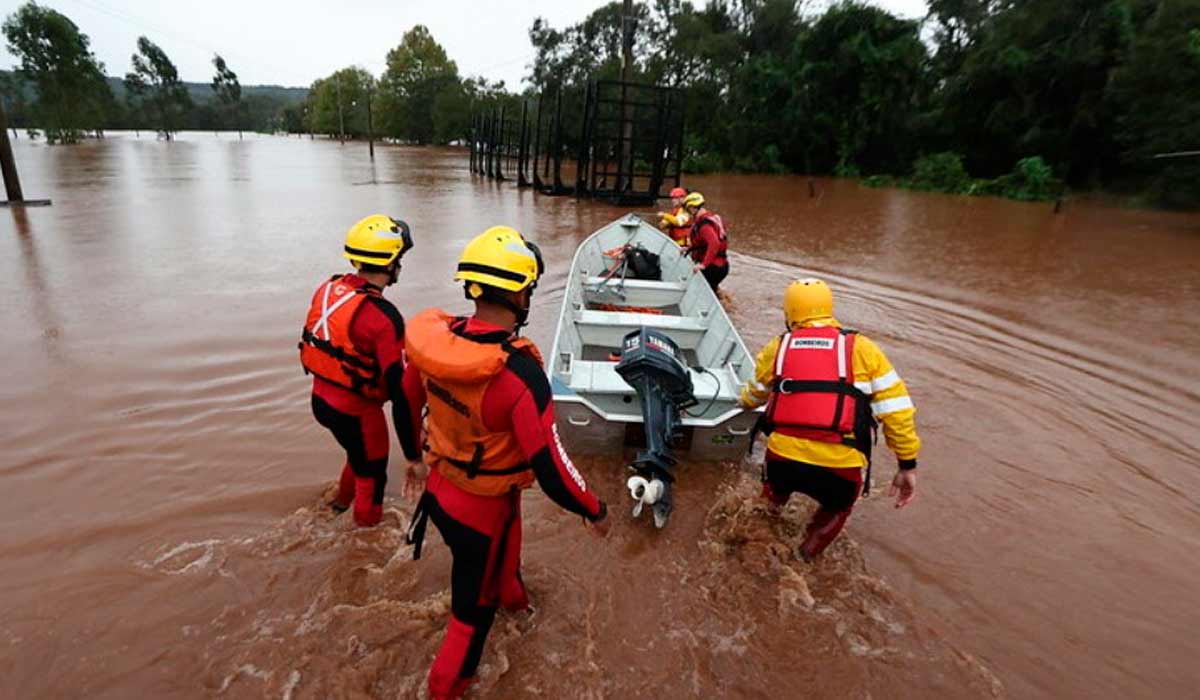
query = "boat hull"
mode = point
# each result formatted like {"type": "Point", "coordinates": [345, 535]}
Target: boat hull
{"type": "Point", "coordinates": [596, 411]}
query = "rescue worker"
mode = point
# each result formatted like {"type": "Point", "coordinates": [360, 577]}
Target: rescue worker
{"type": "Point", "coordinates": [708, 241]}
{"type": "Point", "coordinates": [490, 433]}
{"type": "Point", "coordinates": [676, 223]}
{"type": "Point", "coordinates": [353, 345]}
{"type": "Point", "coordinates": [824, 385]}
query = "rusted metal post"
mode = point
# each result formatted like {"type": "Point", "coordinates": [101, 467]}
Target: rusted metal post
{"type": "Point", "coordinates": [370, 132]}
{"type": "Point", "coordinates": [8, 164]}
{"type": "Point", "coordinates": [500, 146]}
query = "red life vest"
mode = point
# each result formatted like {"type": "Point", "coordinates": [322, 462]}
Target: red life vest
{"type": "Point", "coordinates": [722, 237]}
{"type": "Point", "coordinates": [814, 396]}
{"type": "Point", "coordinates": [325, 346]}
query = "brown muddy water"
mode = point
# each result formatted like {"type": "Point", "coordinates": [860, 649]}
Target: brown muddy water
{"type": "Point", "coordinates": [162, 533]}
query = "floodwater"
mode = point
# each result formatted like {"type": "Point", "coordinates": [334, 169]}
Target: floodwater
{"type": "Point", "coordinates": [162, 532]}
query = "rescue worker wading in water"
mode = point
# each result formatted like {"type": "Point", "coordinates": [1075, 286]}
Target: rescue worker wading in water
{"type": "Point", "coordinates": [708, 243]}
{"type": "Point", "coordinates": [353, 345]}
{"type": "Point", "coordinates": [677, 223]}
{"type": "Point", "coordinates": [822, 384]}
{"type": "Point", "coordinates": [490, 433]}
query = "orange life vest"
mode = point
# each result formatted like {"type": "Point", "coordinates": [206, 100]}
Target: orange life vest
{"type": "Point", "coordinates": [457, 371]}
{"type": "Point", "coordinates": [325, 346]}
{"type": "Point", "coordinates": [814, 396]}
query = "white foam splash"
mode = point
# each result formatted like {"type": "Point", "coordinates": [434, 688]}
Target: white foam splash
{"type": "Point", "coordinates": [292, 681]}
{"type": "Point", "coordinates": [244, 670]}
{"type": "Point", "coordinates": [198, 563]}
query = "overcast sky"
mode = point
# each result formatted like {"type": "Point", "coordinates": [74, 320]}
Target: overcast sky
{"type": "Point", "coordinates": [293, 42]}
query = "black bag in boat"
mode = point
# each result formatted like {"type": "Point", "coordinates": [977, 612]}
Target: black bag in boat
{"type": "Point", "coordinates": [643, 265]}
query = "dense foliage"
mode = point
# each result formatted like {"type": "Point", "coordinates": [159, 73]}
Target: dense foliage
{"type": "Point", "coordinates": [56, 59]}
{"type": "Point", "coordinates": [1092, 89]}
{"type": "Point", "coordinates": [1017, 97]}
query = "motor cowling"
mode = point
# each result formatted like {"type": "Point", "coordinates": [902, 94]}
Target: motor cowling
{"type": "Point", "coordinates": [653, 365]}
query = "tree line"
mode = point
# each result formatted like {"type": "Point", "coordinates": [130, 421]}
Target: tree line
{"type": "Point", "coordinates": [420, 98]}
{"type": "Point", "coordinates": [994, 96]}
{"type": "Point", "coordinates": [60, 87]}
{"type": "Point", "coordinates": [1016, 92]}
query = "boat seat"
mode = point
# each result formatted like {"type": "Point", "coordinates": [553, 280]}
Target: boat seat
{"type": "Point", "coordinates": [595, 281]}
{"type": "Point", "coordinates": [608, 328]}
{"type": "Point", "coordinates": [646, 293]}
{"type": "Point", "coordinates": [593, 377]}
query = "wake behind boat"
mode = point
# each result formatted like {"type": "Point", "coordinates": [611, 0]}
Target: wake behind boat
{"type": "Point", "coordinates": [645, 356]}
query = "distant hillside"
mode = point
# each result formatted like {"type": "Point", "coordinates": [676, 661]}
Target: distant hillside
{"type": "Point", "coordinates": [264, 106]}
{"type": "Point", "coordinates": [202, 92]}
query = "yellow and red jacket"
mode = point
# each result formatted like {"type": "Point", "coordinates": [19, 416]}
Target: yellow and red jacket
{"type": "Point", "coordinates": [677, 224]}
{"type": "Point", "coordinates": [456, 372]}
{"type": "Point", "coordinates": [873, 376]}
{"type": "Point", "coordinates": [326, 348]}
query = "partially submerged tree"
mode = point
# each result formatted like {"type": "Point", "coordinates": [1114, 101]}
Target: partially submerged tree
{"type": "Point", "coordinates": [55, 56]}
{"type": "Point", "coordinates": [420, 84]}
{"type": "Point", "coordinates": [12, 91]}
{"type": "Point", "coordinates": [337, 104]}
{"type": "Point", "coordinates": [229, 92]}
{"type": "Point", "coordinates": [157, 81]}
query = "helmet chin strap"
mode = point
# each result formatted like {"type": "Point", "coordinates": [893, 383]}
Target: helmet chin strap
{"type": "Point", "coordinates": [501, 299]}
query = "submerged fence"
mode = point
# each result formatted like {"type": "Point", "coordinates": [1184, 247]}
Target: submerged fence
{"type": "Point", "coordinates": [612, 140]}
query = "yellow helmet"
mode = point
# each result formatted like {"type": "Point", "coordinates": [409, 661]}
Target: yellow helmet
{"type": "Point", "coordinates": [807, 300]}
{"type": "Point", "coordinates": [694, 199]}
{"type": "Point", "coordinates": [499, 257]}
{"type": "Point", "coordinates": [377, 240]}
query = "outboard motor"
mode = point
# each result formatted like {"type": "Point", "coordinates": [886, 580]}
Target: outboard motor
{"type": "Point", "coordinates": [653, 365]}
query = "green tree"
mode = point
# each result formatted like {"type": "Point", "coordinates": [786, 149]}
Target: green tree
{"type": "Point", "coordinates": [337, 104]}
{"type": "Point", "coordinates": [419, 76]}
{"type": "Point", "coordinates": [861, 73]}
{"type": "Point", "coordinates": [12, 91]}
{"type": "Point", "coordinates": [55, 56]}
{"type": "Point", "coordinates": [1156, 93]}
{"type": "Point", "coordinates": [156, 80]}
{"type": "Point", "coordinates": [229, 92]}
{"type": "Point", "coordinates": [1032, 79]}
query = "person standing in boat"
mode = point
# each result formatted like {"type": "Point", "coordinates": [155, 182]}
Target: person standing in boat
{"type": "Point", "coordinates": [708, 242]}
{"type": "Point", "coordinates": [676, 223]}
{"type": "Point", "coordinates": [824, 386]}
{"type": "Point", "coordinates": [353, 345]}
{"type": "Point", "coordinates": [490, 433]}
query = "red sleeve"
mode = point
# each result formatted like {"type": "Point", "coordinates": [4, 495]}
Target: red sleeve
{"type": "Point", "coordinates": [708, 234]}
{"type": "Point", "coordinates": [519, 400]}
{"type": "Point", "coordinates": [378, 330]}
{"type": "Point", "coordinates": [414, 394]}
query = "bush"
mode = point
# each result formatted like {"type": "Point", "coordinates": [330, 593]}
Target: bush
{"type": "Point", "coordinates": [1177, 186]}
{"type": "Point", "coordinates": [771, 161]}
{"type": "Point", "coordinates": [745, 164]}
{"type": "Point", "coordinates": [941, 172]}
{"type": "Point", "coordinates": [700, 163]}
{"type": "Point", "coordinates": [845, 169]}
{"type": "Point", "coordinates": [1031, 180]}
{"type": "Point", "coordinates": [880, 181]}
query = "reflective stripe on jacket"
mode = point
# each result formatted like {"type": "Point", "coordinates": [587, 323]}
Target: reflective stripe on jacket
{"type": "Point", "coordinates": [874, 376]}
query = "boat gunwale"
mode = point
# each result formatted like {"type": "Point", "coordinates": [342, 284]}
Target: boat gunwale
{"type": "Point", "coordinates": [560, 389]}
